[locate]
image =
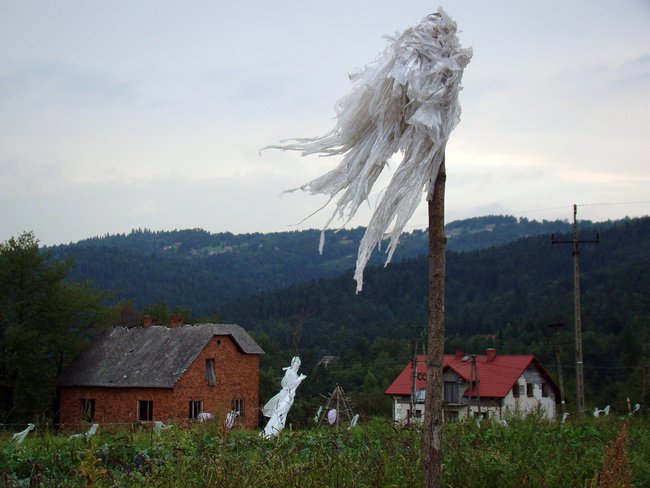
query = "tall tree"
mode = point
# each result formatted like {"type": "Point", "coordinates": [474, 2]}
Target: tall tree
{"type": "Point", "coordinates": [44, 322]}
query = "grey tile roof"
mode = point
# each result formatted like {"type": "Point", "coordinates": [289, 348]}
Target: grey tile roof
{"type": "Point", "coordinates": [154, 357]}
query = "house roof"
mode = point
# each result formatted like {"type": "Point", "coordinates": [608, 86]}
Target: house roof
{"type": "Point", "coordinates": [154, 357]}
{"type": "Point", "coordinates": [496, 377]}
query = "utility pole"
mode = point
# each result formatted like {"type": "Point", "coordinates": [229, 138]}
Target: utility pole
{"type": "Point", "coordinates": [558, 363]}
{"type": "Point", "coordinates": [580, 382]}
{"type": "Point", "coordinates": [415, 380]}
{"type": "Point", "coordinates": [478, 392]}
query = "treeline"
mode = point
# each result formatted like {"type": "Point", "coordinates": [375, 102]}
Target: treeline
{"type": "Point", "coordinates": [203, 271]}
{"type": "Point", "coordinates": [499, 296]}
{"type": "Point", "coordinates": [503, 297]}
{"type": "Point", "coordinates": [45, 321]}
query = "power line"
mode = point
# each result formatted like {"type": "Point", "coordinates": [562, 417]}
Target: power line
{"type": "Point", "coordinates": [548, 209]}
{"type": "Point", "coordinates": [612, 203]}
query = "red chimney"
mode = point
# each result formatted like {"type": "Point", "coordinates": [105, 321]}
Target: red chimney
{"type": "Point", "coordinates": [490, 354]}
{"type": "Point", "coordinates": [148, 321]}
{"type": "Point", "coordinates": [459, 353]}
{"type": "Point", "coordinates": [174, 320]}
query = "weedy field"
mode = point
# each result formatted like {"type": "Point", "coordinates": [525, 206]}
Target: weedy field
{"type": "Point", "coordinates": [601, 452]}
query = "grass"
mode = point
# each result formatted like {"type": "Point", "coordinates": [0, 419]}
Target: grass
{"type": "Point", "coordinates": [530, 453]}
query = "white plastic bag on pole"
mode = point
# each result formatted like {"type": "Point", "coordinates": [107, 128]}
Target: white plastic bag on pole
{"type": "Point", "coordinates": [405, 103]}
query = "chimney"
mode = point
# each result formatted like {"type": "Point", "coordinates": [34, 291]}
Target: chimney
{"type": "Point", "coordinates": [148, 321]}
{"type": "Point", "coordinates": [459, 353]}
{"type": "Point", "coordinates": [490, 354]}
{"type": "Point", "coordinates": [175, 320]}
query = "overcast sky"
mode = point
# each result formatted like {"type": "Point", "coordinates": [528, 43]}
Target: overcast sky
{"type": "Point", "coordinates": [117, 115]}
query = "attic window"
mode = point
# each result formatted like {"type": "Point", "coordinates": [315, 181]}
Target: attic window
{"type": "Point", "coordinates": [420, 395]}
{"type": "Point", "coordinates": [209, 372]}
{"type": "Point", "coordinates": [451, 391]}
{"type": "Point", "coordinates": [529, 389]}
{"type": "Point", "coordinates": [515, 390]}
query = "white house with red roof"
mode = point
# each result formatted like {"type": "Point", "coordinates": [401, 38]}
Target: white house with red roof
{"type": "Point", "coordinates": [488, 385]}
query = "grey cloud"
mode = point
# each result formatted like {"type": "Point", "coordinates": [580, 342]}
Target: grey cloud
{"type": "Point", "coordinates": [635, 73]}
{"type": "Point", "coordinates": [73, 211]}
{"type": "Point", "coordinates": [60, 82]}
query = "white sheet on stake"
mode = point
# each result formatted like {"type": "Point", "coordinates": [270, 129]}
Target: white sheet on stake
{"type": "Point", "coordinates": [405, 102]}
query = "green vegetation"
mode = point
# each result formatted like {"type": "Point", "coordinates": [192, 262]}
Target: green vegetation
{"type": "Point", "coordinates": [44, 322]}
{"type": "Point", "coordinates": [530, 453]}
{"type": "Point", "coordinates": [503, 297]}
{"type": "Point", "coordinates": [498, 295]}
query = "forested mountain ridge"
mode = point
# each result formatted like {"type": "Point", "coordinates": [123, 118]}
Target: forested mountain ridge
{"type": "Point", "coordinates": [529, 279]}
{"type": "Point", "coordinates": [297, 302]}
{"type": "Point", "coordinates": [504, 297]}
{"type": "Point", "coordinates": [202, 271]}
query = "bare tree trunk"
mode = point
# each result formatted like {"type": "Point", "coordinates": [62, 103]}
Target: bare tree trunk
{"type": "Point", "coordinates": [435, 354]}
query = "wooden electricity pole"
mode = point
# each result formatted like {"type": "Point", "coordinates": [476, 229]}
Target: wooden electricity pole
{"type": "Point", "coordinates": [414, 373]}
{"type": "Point", "coordinates": [436, 340]}
{"type": "Point", "coordinates": [558, 365]}
{"type": "Point", "coordinates": [580, 382]}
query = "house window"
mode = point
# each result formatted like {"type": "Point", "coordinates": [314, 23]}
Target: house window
{"type": "Point", "coordinates": [451, 392]}
{"type": "Point", "coordinates": [87, 409]}
{"type": "Point", "coordinates": [515, 390]}
{"type": "Point", "coordinates": [145, 410]}
{"type": "Point", "coordinates": [196, 407]}
{"type": "Point", "coordinates": [451, 415]}
{"type": "Point", "coordinates": [420, 395]}
{"type": "Point", "coordinates": [529, 389]}
{"type": "Point", "coordinates": [238, 406]}
{"type": "Point", "coordinates": [544, 389]}
{"type": "Point", "coordinates": [209, 372]}
{"type": "Point", "coordinates": [418, 414]}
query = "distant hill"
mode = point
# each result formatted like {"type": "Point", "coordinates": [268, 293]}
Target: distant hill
{"type": "Point", "coordinates": [502, 296]}
{"type": "Point", "coordinates": [506, 283]}
{"type": "Point", "coordinates": [202, 271]}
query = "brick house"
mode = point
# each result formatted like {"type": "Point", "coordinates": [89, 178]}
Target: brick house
{"type": "Point", "coordinates": [490, 385]}
{"type": "Point", "coordinates": [162, 373]}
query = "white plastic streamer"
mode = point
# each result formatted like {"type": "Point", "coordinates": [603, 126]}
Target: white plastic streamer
{"type": "Point", "coordinates": [406, 103]}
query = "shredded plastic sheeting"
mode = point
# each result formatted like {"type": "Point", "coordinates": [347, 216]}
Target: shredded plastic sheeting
{"type": "Point", "coordinates": [317, 416]}
{"type": "Point", "coordinates": [91, 432]}
{"type": "Point", "coordinates": [230, 419]}
{"type": "Point", "coordinates": [277, 408]}
{"type": "Point", "coordinates": [204, 416]}
{"type": "Point", "coordinates": [405, 103]}
{"type": "Point", "coordinates": [159, 426]}
{"type": "Point", "coordinates": [19, 437]}
{"type": "Point", "coordinates": [331, 416]}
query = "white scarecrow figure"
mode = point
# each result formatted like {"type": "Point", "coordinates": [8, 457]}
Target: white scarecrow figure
{"type": "Point", "coordinates": [278, 407]}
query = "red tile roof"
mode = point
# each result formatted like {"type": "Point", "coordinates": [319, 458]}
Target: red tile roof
{"type": "Point", "coordinates": [496, 377]}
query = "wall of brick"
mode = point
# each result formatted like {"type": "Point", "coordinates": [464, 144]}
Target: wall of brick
{"type": "Point", "coordinates": [237, 377]}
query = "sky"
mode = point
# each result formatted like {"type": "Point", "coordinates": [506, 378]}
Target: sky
{"type": "Point", "coordinates": [118, 115]}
